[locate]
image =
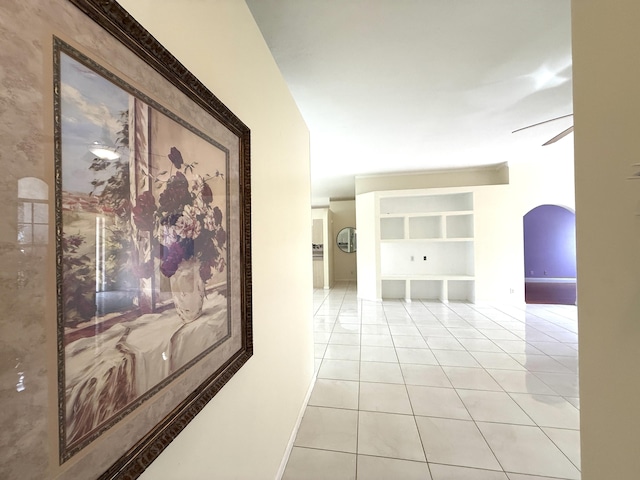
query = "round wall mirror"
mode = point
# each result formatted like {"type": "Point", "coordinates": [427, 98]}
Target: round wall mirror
{"type": "Point", "coordinates": [346, 239]}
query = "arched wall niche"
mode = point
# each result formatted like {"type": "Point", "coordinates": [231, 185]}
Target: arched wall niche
{"type": "Point", "coordinates": [550, 255]}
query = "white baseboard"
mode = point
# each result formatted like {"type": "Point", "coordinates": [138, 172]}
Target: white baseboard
{"type": "Point", "coordinates": [292, 439]}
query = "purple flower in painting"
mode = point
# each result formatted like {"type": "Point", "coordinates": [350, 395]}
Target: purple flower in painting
{"type": "Point", "coordinates": [176, 157]}
{"type": "Point", "coordinates": [207, 194]}
{"type": "Point", "coordinates": [207, 250]}
{"type": "Point", "coordinates": [184, 222]}
{"type": "Point", "coordinates": [217, 215]}
{"type": "Point", "coordinates": [144, 211]}
{"type": "Point", "coordinates": [176, 195]}
{"type": "Point", "coordinates": [171, 262]}
{"type": "Point", "coordinates": [221, 237]}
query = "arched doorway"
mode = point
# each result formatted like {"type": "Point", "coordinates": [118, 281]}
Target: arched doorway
{"type": "Point", "coordinates": [550, 255]}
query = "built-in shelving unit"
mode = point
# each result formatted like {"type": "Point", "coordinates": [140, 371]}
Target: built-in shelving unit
{"type": "Point", "coordinates": [425, 246]}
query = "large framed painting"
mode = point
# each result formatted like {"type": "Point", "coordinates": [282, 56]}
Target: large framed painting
{"type": "Point", "coordinates": [152, 242]}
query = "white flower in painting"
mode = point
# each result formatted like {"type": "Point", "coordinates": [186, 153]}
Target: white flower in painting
{"type": "Point", "coordinates": [199, 205]}
{"type": "Point", "coordinates": [209, 219]}
{"type": "Point", "coordinates": [188, 225]}
{"type": "Point", "coordinates": [167, 235]}
{"type": "Point", "coordinates": [198, 185]}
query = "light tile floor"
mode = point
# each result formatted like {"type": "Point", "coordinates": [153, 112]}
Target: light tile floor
{"type": "Point", "coordinates": [429, 391]}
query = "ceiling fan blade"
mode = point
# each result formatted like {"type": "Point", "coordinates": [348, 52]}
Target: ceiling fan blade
{"type": "Point", "coordinates": [542, 123]}
{"type": "Point", "coordinates": [562, 134]}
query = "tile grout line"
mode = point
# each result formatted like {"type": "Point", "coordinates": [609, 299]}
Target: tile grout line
{"type": "Point", "coordinates": [445, 323]}
{"type": "Point", "coordinates": [535, 424]}
{"type": "Point", "coordinates": [415, 420]}
{"type": "Point", "coordinates": [477, 427]}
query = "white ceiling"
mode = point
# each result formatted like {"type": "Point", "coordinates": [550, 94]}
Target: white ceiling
{"type": "Point", "coordinates": [417, 85]}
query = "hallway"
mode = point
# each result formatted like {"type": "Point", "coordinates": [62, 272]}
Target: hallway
{"type": "Point", "coordinates": [426, 390]}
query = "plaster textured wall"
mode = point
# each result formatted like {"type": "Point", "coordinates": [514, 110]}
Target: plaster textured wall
{"type": "Point", "coordinates": [606, 70]}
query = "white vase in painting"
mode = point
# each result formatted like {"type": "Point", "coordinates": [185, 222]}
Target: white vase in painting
{"type": "Point", "coordinates": [187, 289]}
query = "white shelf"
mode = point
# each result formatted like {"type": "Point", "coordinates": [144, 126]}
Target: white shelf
{"type": "Point", "coordinates": [444, 288]}
{"type": "Point", "coordinates": [433, 226]}
{"type": "Point", "coordinates": [443, 257]}
{"type": "Point", "coordinates": [458, 212]}
{"type": "Point", "coordinates": [392, 228]}
{"type": "Point", "coordinates": [426, 240]}
{"type": "Point", "coordinates": [427, 214]}
{"type": "Point", "coordinates": [428, 203]}
{"type": "Point", "coordinates": [426, 246]}
{"type": "Point", "coordinates": [459, 226]}
{"type": "Point", "coordinates": [427, 277]}
{"type": "Point", "coordinates": [424, 227]}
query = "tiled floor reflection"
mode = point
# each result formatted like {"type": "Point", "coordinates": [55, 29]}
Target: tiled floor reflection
{"type": "Point", "coordinates": [429, 391]}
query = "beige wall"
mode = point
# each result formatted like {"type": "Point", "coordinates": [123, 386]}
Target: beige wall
{"type": "Point", "coordinates": [606, 70]}
{"type": "Point", "coordinates": [492, 175]}
{"type": "Point", "coordinates": [243, 432]}
{"type": "Point", "coordinates": [325, 234]}
{"type": "Point", "coordinates": [344, 215]}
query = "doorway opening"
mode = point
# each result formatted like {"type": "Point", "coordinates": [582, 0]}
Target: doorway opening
{"type": "Point", "coordinates": [550, 255]}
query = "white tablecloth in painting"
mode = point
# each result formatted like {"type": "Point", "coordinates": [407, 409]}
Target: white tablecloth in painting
{"type": "Point", "coordinates": [111, 369]}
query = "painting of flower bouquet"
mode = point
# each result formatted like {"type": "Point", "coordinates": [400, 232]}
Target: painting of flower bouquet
{"type": "Point", "coordinates": [189, 231]}
{"type": "Point", "coordinates": [143, 248]}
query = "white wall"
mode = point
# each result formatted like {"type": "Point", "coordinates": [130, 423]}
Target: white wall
{"type": "Point", "coordinates": [538, 175]}
{"type": "Point", "coordinates": [243, 432]}
{"type": "Point", "coordinates": [606, 69]}
{"type": "Point", "coordinates": [344, 215]}
{"type": "Point", "coordinates": [368, 229]}
{"type": "Point", "coordinates": [543, 175]}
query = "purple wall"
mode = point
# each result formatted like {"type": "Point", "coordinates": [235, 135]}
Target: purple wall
{"type": "Point", "coordinates": [550, 242]}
